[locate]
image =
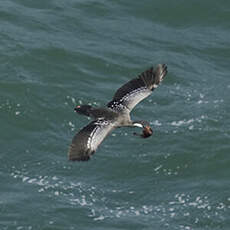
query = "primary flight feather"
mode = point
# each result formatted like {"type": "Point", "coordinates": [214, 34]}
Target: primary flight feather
{"type": "Point", "coordinates": [115, 114]}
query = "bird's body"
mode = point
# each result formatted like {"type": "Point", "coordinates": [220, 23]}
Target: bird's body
{"type": "Point", "coordinates": [116, 114]}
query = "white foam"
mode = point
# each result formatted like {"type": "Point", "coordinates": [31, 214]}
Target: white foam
{"type": "Point", "coordinates": [188, 122]}
{"type": "Point", "coordinates": [99, 218]}
{"type": "Point", "coordinates": [182, 122]}
{"type": "Point", "coordinates": [73, 100]}
{"type": "Point", "coordinates": [156, 123]}
{"type": "Point", "coordinates": [158, 167]}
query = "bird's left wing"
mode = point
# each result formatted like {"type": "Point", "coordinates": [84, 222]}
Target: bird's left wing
{"type": "Point", "coordinates": [134, 91]}
{"type": "Point", "coordinates": [86, 141]}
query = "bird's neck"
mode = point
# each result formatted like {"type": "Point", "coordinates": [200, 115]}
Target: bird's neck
{"type": "Point", "coordinates": [137, 124]}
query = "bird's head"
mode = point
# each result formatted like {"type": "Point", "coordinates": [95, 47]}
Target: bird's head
{"type": "Point", "coordinates": [147, 131]}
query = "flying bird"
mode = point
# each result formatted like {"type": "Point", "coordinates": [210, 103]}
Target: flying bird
{"type": "Point", "coordinates": [115, 114]}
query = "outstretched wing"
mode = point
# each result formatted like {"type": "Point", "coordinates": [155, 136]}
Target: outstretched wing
{"type": "Point", "coordinates": [86, 141]}
{"type": "Point", "coordinates": [134, 91]}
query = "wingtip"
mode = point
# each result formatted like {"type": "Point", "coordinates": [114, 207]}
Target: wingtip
{"type": "Point", "coordinates": [77, 157]}
{"type": "Point", "coordinates": [85, 158]}
{"type": "Point", "coordinates": [160, 73]}
{"type": "Point", "coordinates": [74, 155]}
{"type": "Point", "coordinates": [161, 68]}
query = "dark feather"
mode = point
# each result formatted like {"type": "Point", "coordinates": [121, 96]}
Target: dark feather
{"type": "Point", "coordinates": [86, 141]}
{"type": "Point", "coordinates": [137, 89]}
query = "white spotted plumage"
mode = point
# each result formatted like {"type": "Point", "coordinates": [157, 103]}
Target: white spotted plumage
{"type": "Point", "coordinates": [98, 133]}
{"type": "Point", "coordinates": [116, 114]}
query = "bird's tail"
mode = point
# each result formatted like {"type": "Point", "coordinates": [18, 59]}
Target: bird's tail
{"type": "Point", "coordinates": [153, 76]}
{"type": "Point", "coordinates": [84, 110]}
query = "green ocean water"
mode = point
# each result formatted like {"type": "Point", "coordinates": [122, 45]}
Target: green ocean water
{"type": "Point", "coordinates": [57, 54]}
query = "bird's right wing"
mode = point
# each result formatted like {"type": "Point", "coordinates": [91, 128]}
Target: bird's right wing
{"type": "Point", "coordinates": [134, 91]}
{"type": "Point", "coordinates": [86, 141]}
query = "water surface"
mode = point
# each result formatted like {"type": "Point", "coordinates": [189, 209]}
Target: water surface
{"type": "Point", "coordinates": [55, 55]}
